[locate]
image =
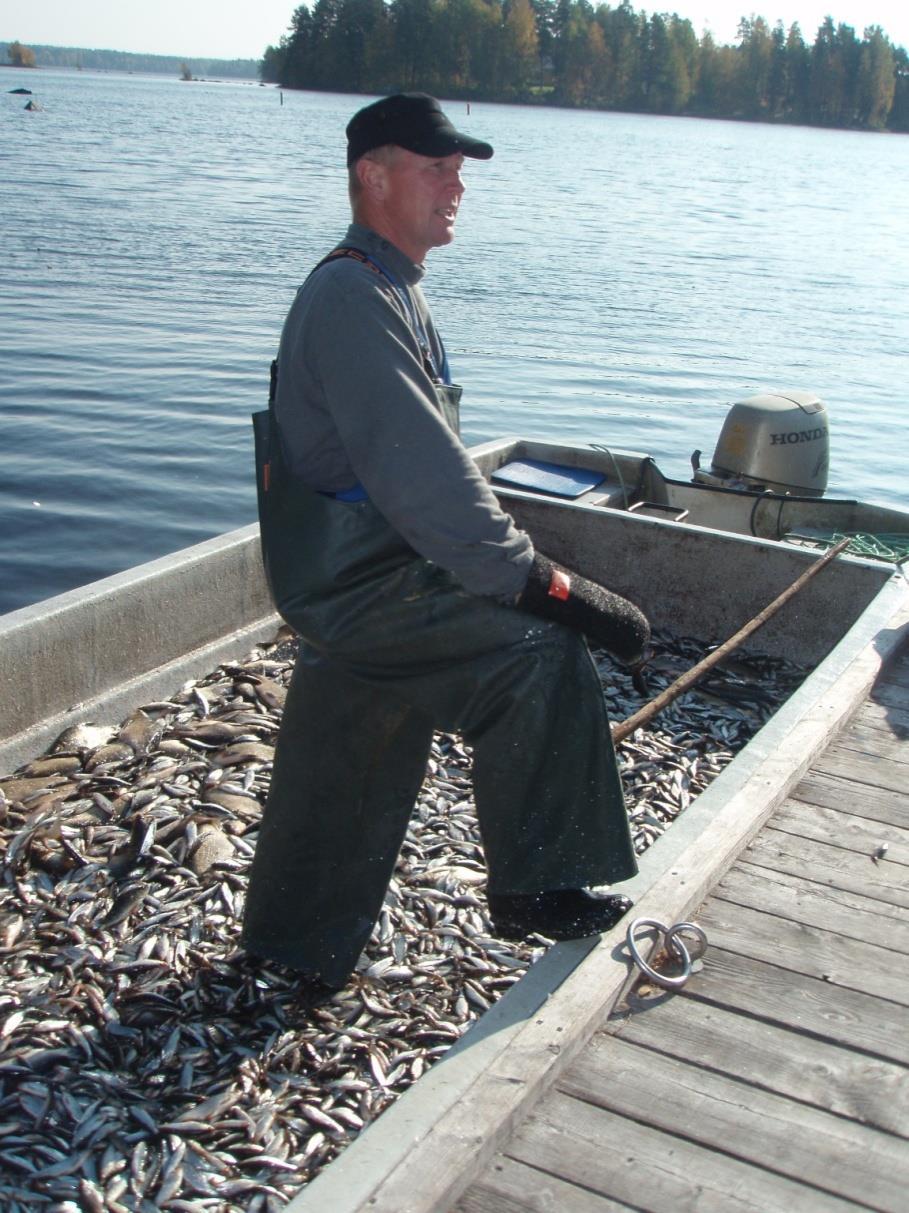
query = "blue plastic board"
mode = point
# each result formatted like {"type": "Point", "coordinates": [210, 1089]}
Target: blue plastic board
{"type": "Point", "coordinates": [548, 477]}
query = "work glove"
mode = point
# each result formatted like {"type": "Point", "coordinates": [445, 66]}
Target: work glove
{"type": "Point", "coordinates": [607, 620]}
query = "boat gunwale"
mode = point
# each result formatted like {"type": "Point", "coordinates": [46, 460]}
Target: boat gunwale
{"type": "Point", "coordinates": [79, 656]}
{"type": "Point", "coordinates": [94, 652]}
{"type": "Point", "coordinates": [60, 656]}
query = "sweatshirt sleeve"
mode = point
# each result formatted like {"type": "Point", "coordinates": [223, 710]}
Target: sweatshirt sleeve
{"type": "Point", "coordinates": [363, 354]}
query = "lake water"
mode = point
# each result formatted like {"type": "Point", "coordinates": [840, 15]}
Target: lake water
{"type": "Point", "coordinates": [616, 278]}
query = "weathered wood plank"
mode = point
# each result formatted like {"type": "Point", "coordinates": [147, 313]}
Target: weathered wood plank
{"type": "Point", "coordinates": [835, 1155]}
{"type": "Point", "coordinates": [815, 905]}
{"type": "Point", "coordinates": [767, 991]}
{"type": "Point", "coordinates": [781, 1060]}
{"type": "Point", "coordinates": [791, 945]}
{"type": "Point", "coordinates": [876, 738]}
{"type": "Point", "coordinates": [823, 864]}
{"type": "Point", "coordinates": [897, 668]}
{"type": "Point", "coordinates": [893, 721]}
{"type": "Point", "coordinates": [508, 1186]}
{"type": "Point", "coordinates": [836, 792]}
{"type": "Point", "coordinates": [864, 769]}
{"type": "Point", "coordinates": [843, 829]}
{"type": "Point", "coordinates": [891, 694]}
{"type": "Point", "coordinates": [653, 1170]}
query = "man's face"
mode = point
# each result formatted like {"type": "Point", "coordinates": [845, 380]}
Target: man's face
{"type": "Point", "coordinates": [420, 200]}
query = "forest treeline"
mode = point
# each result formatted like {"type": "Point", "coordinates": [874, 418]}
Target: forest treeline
{"type": "Point", "coordinates": [128, 61]}
{"type": "Point", "coordinates": [567, 52]}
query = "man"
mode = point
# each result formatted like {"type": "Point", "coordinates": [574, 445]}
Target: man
{"type": "Point", "coordinates": [410, 588]}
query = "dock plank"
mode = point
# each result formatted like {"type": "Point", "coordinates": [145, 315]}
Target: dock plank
{"type": "Point", "coordinates": [780, 996]}
{"type": "Point", "coordinates": [510, 1186]}
{"type": "Point", "coordinates": [892, 721]}
{"type": "Point", "coordinates": [834, 959]}
{"type": "Point", "coordinates": [815, 905]}
{"type": "Point", "coordinates": [892, 693]}
{"type": "Point", "coordinates": [831, 865]}
{"type": "Point", "coordinates": [839, 792]}
{"type": "Point", "coordinates": [654, 1170]}
{"type": "Point", "coordinates": [799, 1142]}
{"type": "Point", "coordinates": [785, 1061]}
{"type": "Point", "coordinates": [869, 770]}
{"type": "Point", "coordinates": [843, 829]}
{"type": "Point", "coordinates": [876, 737]}
{"type": "Point", "coordinates": [897, 669]}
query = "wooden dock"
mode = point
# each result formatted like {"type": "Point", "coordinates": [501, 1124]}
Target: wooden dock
{"type": "Point", "coordinates": [778, 1079]}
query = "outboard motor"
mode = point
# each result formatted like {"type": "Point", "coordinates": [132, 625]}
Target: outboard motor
{"type": "Point", "coordinates": [776, 441]}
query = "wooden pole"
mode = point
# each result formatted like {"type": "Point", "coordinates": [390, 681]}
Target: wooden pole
{"type": "Point", "coordinates": [687, 680]}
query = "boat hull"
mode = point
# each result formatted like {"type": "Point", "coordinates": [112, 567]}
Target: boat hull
{"type": "Point", "coordinates": [98, 652]}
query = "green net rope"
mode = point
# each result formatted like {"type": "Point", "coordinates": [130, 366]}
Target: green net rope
{"type": "Point", "coordinates": [892, 548]}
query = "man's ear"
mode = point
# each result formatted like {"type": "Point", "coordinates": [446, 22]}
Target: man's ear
{"type": "Point", "coordinates": [372, 176]}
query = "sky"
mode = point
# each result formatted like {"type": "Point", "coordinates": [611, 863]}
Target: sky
{"type": "Point", "coordinates": [241, 29]}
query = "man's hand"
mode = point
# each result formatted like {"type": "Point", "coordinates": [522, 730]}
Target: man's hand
{"type": "Point", "coordinates": [607, 620]}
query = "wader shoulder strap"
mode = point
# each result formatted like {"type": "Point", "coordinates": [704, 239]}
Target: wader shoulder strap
{"type": "Point", "coordinates": [436, 374]}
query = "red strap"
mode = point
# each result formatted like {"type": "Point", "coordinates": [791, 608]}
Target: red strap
{"type": "Point", "coordinates": [346, 251]}
{"type": "Point", "coordinates": [559, 585]}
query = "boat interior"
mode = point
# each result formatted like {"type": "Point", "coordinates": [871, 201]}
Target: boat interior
{"type": "Point", "coordinates": [611, 478]}
{"type": "Point", "coordinates": [700, 561]}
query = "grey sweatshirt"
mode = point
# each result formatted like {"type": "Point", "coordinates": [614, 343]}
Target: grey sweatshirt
{"type": "Point", "coordinates": [354, 403]}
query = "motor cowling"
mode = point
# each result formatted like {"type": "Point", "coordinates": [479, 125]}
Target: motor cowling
{"type": "Point", "coordinates": [777, 441]}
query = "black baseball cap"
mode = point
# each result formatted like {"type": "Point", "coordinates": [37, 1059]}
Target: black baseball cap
{"type": "Point", "coordinates": [413, 121]}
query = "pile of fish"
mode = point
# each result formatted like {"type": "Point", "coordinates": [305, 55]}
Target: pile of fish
{"type": "Point", "coordinates": [145, 1062]}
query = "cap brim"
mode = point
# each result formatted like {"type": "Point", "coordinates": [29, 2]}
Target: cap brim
{"type": "Point", "coordinates": [449, 143]}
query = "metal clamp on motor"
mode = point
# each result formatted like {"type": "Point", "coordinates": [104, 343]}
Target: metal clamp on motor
{"type": "Point", "coordinates": [670, 941]}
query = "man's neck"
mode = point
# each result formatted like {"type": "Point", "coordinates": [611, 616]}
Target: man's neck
{"type": "Point", "coordinates": [385, 249]}
{"type": "Point", "coordinates": [377, 222]}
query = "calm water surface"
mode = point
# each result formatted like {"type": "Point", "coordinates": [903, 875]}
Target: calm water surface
{"type": "Point", "coordinates": [616, 278]}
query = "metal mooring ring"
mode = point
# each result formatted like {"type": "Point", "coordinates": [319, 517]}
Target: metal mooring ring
{"type": "Point", "coordinates": [692, 928]}
{"type": "Point", "coordinates": [672, 942]}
